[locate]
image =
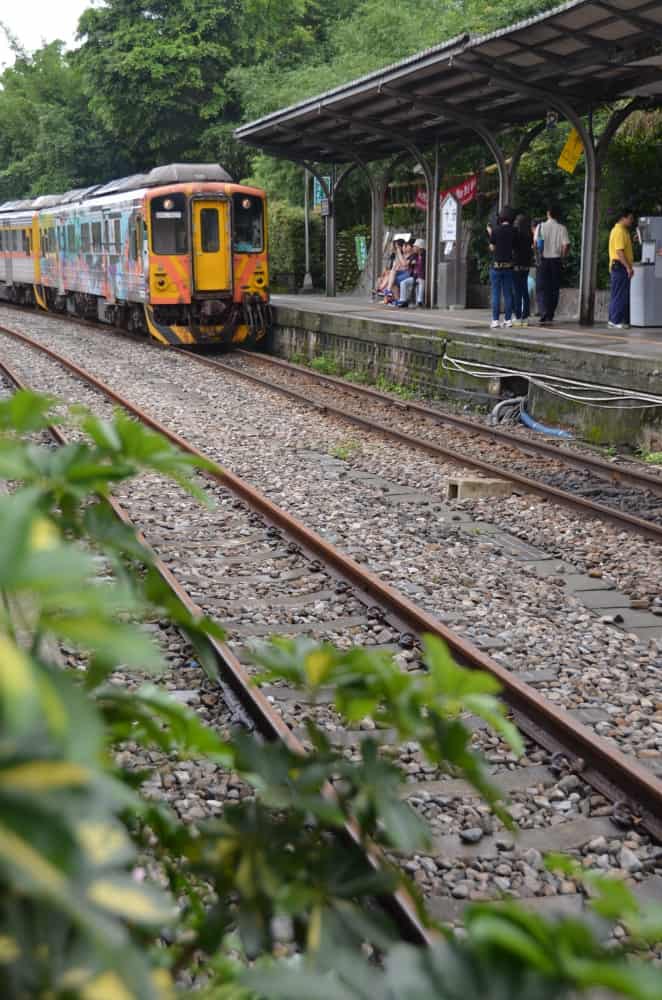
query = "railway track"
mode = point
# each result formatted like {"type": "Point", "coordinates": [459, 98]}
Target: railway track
{"type": "Point", "coordinates": [618, 493]}
{"type": "Point", "coordinates": [623, 495]}
{"type": "Point", "coordinates": [261, 571]}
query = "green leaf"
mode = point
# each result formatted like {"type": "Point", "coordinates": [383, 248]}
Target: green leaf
{"type": "Point", "coordinates": [139, 904]}
{"type": "Point", "coordinates": [150, 715]}
{"type": "Point", "coordinates": [26, 411]}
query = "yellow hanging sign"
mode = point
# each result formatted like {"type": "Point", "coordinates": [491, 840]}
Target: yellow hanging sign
{"type": "Point", "coordinates": [571, 152]}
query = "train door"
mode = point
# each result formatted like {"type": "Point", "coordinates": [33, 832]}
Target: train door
{"type": "Point", "coordinates": [212, 248]}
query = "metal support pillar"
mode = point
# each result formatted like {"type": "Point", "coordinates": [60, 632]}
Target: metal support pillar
{"type": "Point", "coordinates": [502, 166]}
{"type": "Point", "coordinates": [589, 257]}
{"type": "Point", "coordinates": [307, 278]}
{"type": "Point", "coordinates": [432, 277]}
{"type": "Point", "coordinates": [591, 219]}
{"type": "Point", "coordinates": [330, 239]}
{"type": "Point", "coordinates": [429, 226]}
{"type": "Point", "coordinates": [330, 250]}
{"type": "Point", "coordinates": [377, 189]}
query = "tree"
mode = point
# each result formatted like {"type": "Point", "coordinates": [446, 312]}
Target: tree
{"type": "Point", "coordinates": [155, 73]}
{"type": "Point", "coordinates": [51, 141]}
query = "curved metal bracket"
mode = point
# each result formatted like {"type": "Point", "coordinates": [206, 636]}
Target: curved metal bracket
{"type": "Point", "coordinates": [522, 146]}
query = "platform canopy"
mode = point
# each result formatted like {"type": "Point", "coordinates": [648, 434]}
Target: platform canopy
{"type": "Point", "coordinates": [586, 53]}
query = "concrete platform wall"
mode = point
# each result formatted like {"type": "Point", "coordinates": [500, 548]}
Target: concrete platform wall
{"type": "Point", "coordinates": [410, 357]}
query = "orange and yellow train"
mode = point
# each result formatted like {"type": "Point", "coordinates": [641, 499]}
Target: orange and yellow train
{"type": "Point", "coordinates": [179, 253]}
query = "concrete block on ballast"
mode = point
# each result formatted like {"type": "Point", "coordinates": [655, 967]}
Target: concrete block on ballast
{"type": "Point", "coordinates": [464, 488]}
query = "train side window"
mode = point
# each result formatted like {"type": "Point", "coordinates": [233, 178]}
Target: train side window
{"type": "Point", "coordinates": [26, 242]}
{"type": "Point", "coordinates": [117, 235]}
{"type": "Point", "coordinates": [85, 237]}
{"type": "Point", "coordinates": [209, 235]}
{"type": "Point", "coordinates": [140, 237]}
{"type": "Point", "coordinates": [96, 237]}
{"type": "Point", "coordinates": [15, 239]}
{"type": "Point", "coordinates": [71, 238]}
{"type": "Point", "coordinates": [61, 239]}
{"type": "Point", "coordinates": [43, 240]}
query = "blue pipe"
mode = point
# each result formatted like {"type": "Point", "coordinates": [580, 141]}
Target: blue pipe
{"type": "Point", "coordinates": [541, 428]}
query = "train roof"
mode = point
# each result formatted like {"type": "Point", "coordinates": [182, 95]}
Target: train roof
{"type": "Point", "coordinates": [172, 173]}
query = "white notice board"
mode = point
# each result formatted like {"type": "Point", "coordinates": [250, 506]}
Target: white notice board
{"type": "Point", "coordinates": [449, 219]}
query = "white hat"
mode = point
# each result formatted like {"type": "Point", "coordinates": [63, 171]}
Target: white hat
{"type": "Point", "coordinates": [420, 244]}
{"type": "Point", "coordinates": [402, 236]}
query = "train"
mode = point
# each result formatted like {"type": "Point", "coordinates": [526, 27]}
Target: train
{"type": "Point", "coordinates": [178, 253]}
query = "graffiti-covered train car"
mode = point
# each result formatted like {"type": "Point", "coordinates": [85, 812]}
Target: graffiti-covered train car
{"type": "Point", "coordinates": [179, 253]}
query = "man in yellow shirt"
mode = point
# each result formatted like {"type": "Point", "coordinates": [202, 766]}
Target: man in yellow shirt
{"type": "Point", "coordinates": [621, 259]}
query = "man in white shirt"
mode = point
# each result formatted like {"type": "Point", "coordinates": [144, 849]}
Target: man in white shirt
{"type": "Point", "coordinates": [553, 242]}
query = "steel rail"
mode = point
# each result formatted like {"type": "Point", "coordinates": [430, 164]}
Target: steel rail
{"type": "Point", "coordinates": [602, 469]}
{"type": "Point", "coordinates": [606, 768]}
{"type": "Point", "coordinates": [230, 674]}
{"type": "Point", "coordinates": [576, 503]}
{"type": "Point", "coordinates": [605, 470]}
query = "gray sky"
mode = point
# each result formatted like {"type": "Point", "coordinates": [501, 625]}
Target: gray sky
{"type": "Point", "coordinates": [38, 21]}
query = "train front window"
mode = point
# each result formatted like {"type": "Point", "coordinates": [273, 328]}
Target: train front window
{"type": "Point", "coordinates": [209, 237]}
{"type": "Point", "coordinates": [247, 223]}
{"type": "Point", "coordinates": [169, 233]}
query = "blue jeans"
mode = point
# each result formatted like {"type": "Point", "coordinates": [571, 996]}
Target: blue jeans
{"type": "Point", "coordinates": [502, 283]}
{"type": "Point", "coordinates": [619, 300]}
{"type": "Point", "coordinates": [521, 292]}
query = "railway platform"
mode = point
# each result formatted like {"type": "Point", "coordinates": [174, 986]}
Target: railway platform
{"type": "Point", "coordinates": [455, 352]}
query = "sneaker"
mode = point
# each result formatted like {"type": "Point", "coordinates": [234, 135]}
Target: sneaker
{"type": "Point", "coordinates": [517, 322]}
{"type": "Point", "coordinates": [525, 322]}
{"type": "Point", "coordinates": [495, 324]}
{"type": "Point", "coordinates": [401, 305]}
{"type": "Point", "coordinates": [616, 326]}
{"type": "Point", "coordinates": [507, 323]}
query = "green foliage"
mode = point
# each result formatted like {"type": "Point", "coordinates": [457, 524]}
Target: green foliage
{"type": "Point", "coordinates": [421, 707]}
{"type": "Point", "coordinates": [347, 269]}
{"type": "Point", "coordinates": [507, 953]}
{"type": "Point", "coordinates": [172, 58]}
{"type": "Point", "coordinates": [286, 244]}
{"type": "Point", "coordinates": [346, 449]}
{"type": "Point", "coordinates": [325, 364]}
{"type": "Point", "coordinates": [50, 141]}
{"type": "Point", "coordinates": [72, 919]}
{"type": "Point", "coordinates": [78, 919]}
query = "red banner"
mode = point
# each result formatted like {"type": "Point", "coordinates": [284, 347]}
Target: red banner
{"type": "Point", "coordinates": [464, 192]}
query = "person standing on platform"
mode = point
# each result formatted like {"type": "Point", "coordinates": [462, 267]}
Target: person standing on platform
{"type": "Point", "coordinates": [553, 243]}
{"type": "Point", "coordinates": [621, 260]}
{"type": "Point", "coordinates": [522, 260]}
{"type": "Point", "coordinates": [503, 241]}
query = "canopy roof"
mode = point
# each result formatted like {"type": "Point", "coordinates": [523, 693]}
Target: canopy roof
{"type": "Point", "coordinates": [586, 52]}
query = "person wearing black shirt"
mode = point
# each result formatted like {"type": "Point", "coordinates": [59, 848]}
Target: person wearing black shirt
{"type": "Point", "coordinates": [503, 240]}
{"type": "Point", "coordinates": [522, 261]}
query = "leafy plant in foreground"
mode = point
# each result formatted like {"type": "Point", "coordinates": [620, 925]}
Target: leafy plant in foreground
{"type": "Point", "coordinates": [274, 883]}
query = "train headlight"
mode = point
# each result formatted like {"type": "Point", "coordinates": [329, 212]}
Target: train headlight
{"type": "Point", "coordinates": [246, 203]}
{"type": "Point", "coordinates": [168, 204]}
